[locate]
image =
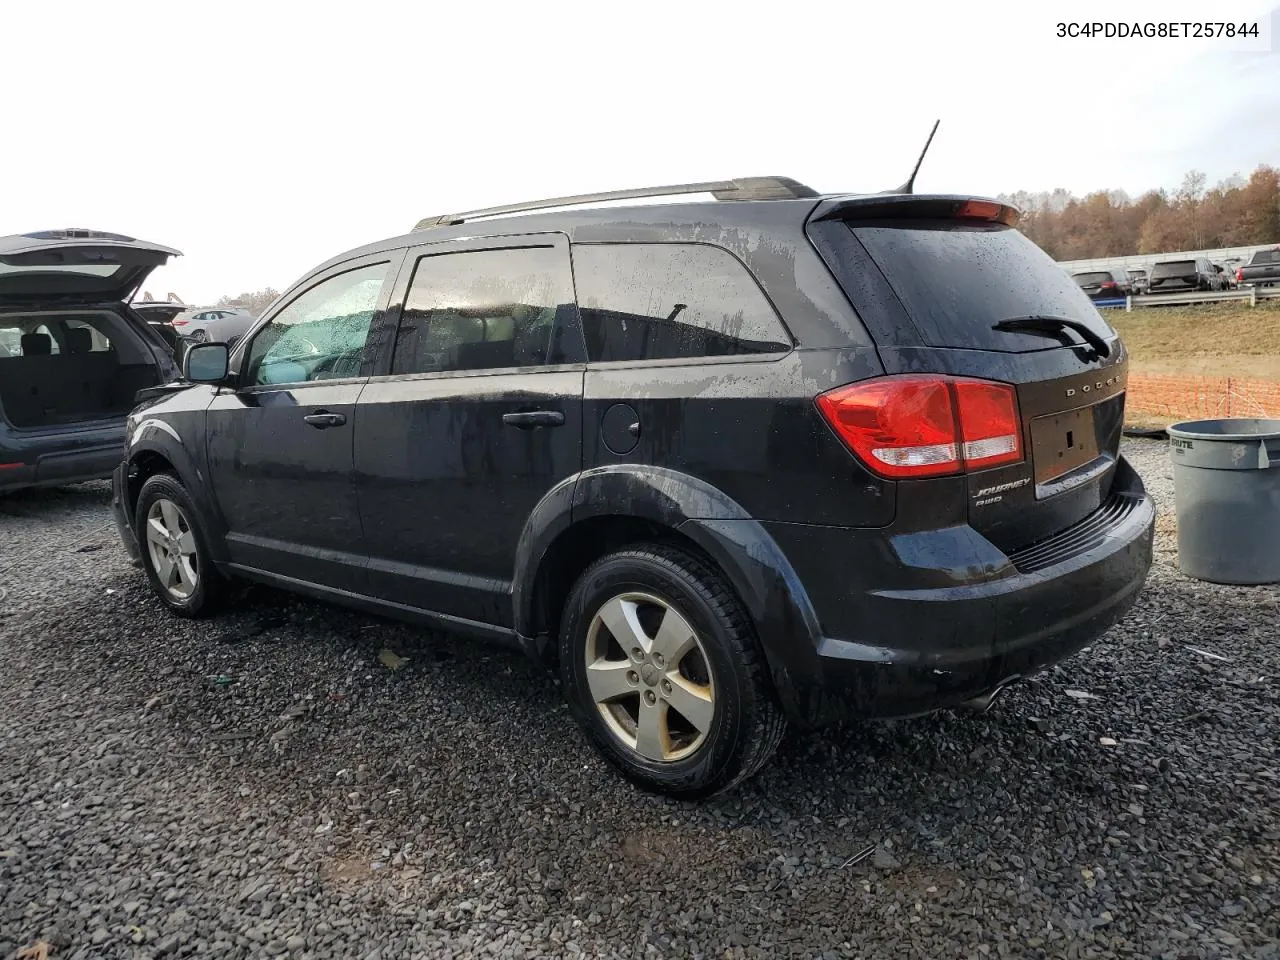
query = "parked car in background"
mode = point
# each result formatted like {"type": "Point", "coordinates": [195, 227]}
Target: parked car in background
{"type": "Point", "coordinates": [73, 355]}
{"type": "Point", "coordinates": [1104, 284]}
{"type": "Point", "coordinates": [1138, 282]}
{"type": "Point", "coordinates": [213, 324]}
{"type": "Point", "coordinates": [1262, 270]}
{"type": "Point", "coordinates": [1226, 279]}
{"type": "Point", "coordinates": [1181, 276]}
{"type": "Point", "coordinates": [714, 495]}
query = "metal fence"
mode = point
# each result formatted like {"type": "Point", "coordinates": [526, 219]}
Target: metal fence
{"type": "Point", "coordinates": [1145, 261]}
{"type": "Point", "coordinates": [1250, 295]}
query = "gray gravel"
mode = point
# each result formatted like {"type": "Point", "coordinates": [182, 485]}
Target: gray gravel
{"type": "Point", "coordinates": [261, 785]}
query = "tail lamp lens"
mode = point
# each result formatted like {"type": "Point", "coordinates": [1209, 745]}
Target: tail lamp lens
{"type": "Point", "coordinates": [991, 433]}
{"type": "Point", "coordinates": [925, 426]}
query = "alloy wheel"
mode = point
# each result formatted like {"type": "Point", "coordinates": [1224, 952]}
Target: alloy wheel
{"type": "Point", "coordinates": [171, 545]}
{"type": "Point", "coordinates": [650, 677]}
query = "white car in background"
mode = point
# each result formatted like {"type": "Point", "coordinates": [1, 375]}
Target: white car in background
{"type": "Point", "coordinates": [213, 324]}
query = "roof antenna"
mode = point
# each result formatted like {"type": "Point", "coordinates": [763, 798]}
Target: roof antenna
{"type": "Point", "coordinates": [909, 186]}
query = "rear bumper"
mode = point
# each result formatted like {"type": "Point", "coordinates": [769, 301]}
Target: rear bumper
{"type": "Point", "coordinates": [65, 456]}
{"type": "Point", "coordinates": [927, 648]}
{"type": "Point", "coordinates": [121, 513]}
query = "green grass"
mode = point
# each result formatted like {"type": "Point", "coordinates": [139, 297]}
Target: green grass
{"type": "Point", "coordinates": [1220, 339]}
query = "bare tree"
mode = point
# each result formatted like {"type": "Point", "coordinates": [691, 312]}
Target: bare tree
{"type": "Point", "coordinates": [255, 302]}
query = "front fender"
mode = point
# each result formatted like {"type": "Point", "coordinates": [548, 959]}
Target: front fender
{"type": "Point", "coordinates": [755, 566]}
{"type": "Point", "coordinates": [152, 436]}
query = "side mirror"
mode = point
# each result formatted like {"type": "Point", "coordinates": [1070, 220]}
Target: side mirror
{"type": "Point", "coordinates": [206, 362]}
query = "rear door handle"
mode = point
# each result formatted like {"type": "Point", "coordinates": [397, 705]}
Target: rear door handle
{"type": "Point", "coordinates": [323, 420]}
{"type": "Point", "coordinates": [528, 419]}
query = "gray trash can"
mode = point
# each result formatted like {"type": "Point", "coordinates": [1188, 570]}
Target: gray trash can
{"type": "Point", "coordinates": [1226, 482]}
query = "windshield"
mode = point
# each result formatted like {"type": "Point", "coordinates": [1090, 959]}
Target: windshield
{"type": "Point", "coordinates": [958, 280]}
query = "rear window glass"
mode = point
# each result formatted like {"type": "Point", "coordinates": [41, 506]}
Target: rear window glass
{"type": "Point", "coordinates": [1090, 278]}
{"type": "Point", "coordinates": [1173, 268]}
{"type": "Point", "coordinates": [1267, 256]}
{"type": "Point", "coordinates": [958, 281]}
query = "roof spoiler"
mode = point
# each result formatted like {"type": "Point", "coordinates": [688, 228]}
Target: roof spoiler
{"type": "Point", "coordinates": [902, 206]}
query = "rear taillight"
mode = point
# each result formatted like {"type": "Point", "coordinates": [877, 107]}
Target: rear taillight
{"type": "Point", "coordinates": [1239, 274]}
{"type": "Point", "coordinates": [926, 426]}
{"type": "Point", "coordinates": [990, 431]}
{"type": "Point", "coordinates": [180, 323]}
{"type": "Point", "coordinates": [1108, 283]}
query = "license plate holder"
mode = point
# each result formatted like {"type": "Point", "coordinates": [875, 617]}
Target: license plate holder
{"type": "Point", "coordinates": [1062, 442]}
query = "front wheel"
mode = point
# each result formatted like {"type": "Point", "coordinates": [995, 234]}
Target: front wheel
{"type": "Point", "coordinates": [661, 668]}
{"type": "Point", "coordinates": [174, 552]}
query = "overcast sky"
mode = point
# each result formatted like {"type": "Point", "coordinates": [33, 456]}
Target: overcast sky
{"type": "Point", "coordinates": [260, 141]}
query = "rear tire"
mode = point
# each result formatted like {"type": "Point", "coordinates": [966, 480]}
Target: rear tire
{"type": "Point", "coordinates": [661, 668]}
{"type": "Point", "coordinates": [174, 548]}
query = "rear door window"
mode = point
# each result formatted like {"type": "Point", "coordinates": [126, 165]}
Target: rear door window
{"type": "Point", "coordinates": [485, 310]}
{"type": "Point", "coordinates": [666, 301]}
{"type": "Point", "coordinates": [957, 281]}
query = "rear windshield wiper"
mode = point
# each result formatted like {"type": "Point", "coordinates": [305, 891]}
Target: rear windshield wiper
{"type": "Point", "coordinates": [1055, 325]}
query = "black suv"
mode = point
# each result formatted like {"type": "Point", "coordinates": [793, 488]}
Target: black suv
{"type": "Point", "coordinates": [1103, 285]}
{"type": "Point", "coordinates": [73, 354]}
{"type": "Point", "coordinates": [724, 464]}
{"type": "Point", "coordinates": [1179, 276]}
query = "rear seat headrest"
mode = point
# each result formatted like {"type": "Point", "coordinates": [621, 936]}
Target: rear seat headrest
{"type": "Point", "coordinates": [36, 344]}
{"type": "Point", "coordinates": [79, 340]}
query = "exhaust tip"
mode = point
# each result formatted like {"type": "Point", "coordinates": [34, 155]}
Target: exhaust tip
{"type": "Point", "coordinates": [984, 703]}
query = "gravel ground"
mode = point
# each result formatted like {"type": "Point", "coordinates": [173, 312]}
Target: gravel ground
{"type": "Point", "coordinates": [263, 785]}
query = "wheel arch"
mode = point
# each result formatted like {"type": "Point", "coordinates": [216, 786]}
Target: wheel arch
{"type": "Point", "coordinates": [154, 446]}
{"type": "Point", "coordinates": [601, 511]}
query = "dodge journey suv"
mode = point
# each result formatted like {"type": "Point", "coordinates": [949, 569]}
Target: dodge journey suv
{"type": "Point", "coordinates": [773, 457]}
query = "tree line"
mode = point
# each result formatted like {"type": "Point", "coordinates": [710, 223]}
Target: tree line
{"type": "Point", "coordinates": [254, 301]}
{"type": "Point", "coordinates": [1234, 213]}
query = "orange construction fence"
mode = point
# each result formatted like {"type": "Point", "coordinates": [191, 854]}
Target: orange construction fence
{"type": "Point", "coordinates": [1193, 398]}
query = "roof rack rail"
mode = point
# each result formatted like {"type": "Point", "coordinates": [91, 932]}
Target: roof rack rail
{"type": "Point", "coordinates": [743, 188]}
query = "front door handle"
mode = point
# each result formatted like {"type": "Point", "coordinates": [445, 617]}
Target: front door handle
{"type": "Point", "coordinates": [323, 420]}
{"type": "Point", "coordinates": [528, 419]}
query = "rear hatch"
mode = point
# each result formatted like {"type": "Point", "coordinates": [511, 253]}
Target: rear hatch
{"type": "Point", "coordinates": [1174, 273]}
{"type": "Point", "coordinates": [946, 286]}
{"type": "Point", "coordinates": [1094, 283]}
{"type": "Point", "coordinates": [74, 267]}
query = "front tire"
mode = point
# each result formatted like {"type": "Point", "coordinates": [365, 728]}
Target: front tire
{"type": "Point", "coordinates": [661, 668]}
{"type": "Point", "coordinates": [174, 552]}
